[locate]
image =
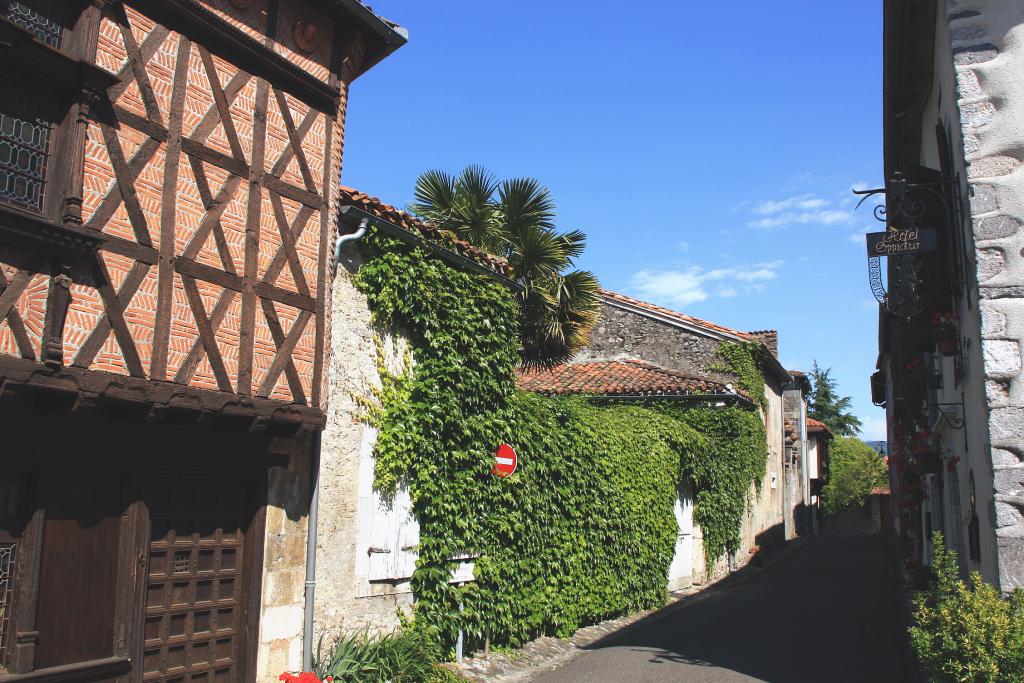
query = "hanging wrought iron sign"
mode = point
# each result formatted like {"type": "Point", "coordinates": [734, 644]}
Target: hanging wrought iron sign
{"type": "Point", "coordinates": [893, 242]}
{"type": "Point", "coordinates": [903, 241]}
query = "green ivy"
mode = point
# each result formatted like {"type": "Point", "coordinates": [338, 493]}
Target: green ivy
{"type": "Point", "coordinates": [585, 530]}
{"type": "Point", "coordinates": [742, 359]}
{"type": "Point", "coordinates": [735, 457]}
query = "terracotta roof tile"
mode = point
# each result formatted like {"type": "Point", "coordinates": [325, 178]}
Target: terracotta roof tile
{"type": "Point", "coordinates": [374, 206]}
{"type": "Point", "coordinates": [881, 491]}
{"type": "Point", "coordinates": [619, 377]}
{"type": "Point", "coordinates": [669, 313]}
{"type": "Point", "coordinates": [816, 427]}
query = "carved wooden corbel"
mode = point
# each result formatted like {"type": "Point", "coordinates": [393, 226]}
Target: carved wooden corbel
{"type": "Point", "coordinates": [57, 303]}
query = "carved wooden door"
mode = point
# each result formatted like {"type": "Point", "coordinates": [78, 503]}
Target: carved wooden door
{"type": "Point", "coordinates": [195, 601]}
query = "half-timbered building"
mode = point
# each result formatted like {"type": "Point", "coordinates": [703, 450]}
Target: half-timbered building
{"type": "Point", "coordinates": [168, 190]}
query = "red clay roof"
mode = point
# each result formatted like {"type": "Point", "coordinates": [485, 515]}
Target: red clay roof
{"type": "Point", "coordinates": [617, 377]}
{"type": "Point", "coordinates": [669, 313]}
{"type": "Point", "coordinates": [816, 427]}
{"type": "Point", "coordinates": [880, 491]}
{"type": "Point", "coordinates": [375, 207]}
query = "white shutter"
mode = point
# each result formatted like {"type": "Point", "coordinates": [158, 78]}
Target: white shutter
{"type": "Point", "coordinates": [394, 535]}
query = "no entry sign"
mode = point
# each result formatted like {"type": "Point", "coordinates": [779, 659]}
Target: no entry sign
{"type": "Point", "coordinates": [505, 461]}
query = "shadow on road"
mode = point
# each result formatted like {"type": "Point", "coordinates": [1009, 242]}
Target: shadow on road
{"type": "Point", "coordinates": [827, 612]}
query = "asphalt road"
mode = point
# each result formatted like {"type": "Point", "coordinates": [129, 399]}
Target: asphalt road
{"type": "Point", "coordinates": [828, 612]}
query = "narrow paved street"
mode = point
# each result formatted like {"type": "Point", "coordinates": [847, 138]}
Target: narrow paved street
{"type": "Point", "coordinates": [827, 612]}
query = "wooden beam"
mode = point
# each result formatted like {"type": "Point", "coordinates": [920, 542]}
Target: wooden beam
{"type": "Point", "coordinates": [252, 242]}
{"type": "Point", "coordinates": [168, 214]}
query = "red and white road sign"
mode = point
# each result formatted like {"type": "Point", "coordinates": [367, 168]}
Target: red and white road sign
{"type": "Point", "coordinates": [505, 461]}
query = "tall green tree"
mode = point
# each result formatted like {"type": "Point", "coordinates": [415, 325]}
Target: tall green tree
{"type": "Point", "coordinates": [515, 219]}
{"type": "Point", "coordinates": [827, 406]}
{"type": "Point", "coordinates": [854, 468]}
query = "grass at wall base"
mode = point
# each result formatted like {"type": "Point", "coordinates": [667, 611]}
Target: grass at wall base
{"type": "Point", "coordinates": [585, 530]}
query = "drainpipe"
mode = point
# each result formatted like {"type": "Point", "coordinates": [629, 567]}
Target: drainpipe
{"type": "Point", "coordinates": [310, 584]}
{"type": "Point", "coordinates": [314, 504]}
{"type": "Point", "coordinates": [342, 239]}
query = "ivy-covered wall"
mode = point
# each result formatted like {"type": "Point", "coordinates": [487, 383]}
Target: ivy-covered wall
{"type": "Point", "coordinates": [585, 529]}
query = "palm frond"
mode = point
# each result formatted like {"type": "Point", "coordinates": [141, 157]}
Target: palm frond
{"type": "Point", "coordinates": [515, 219]}
{"type": "Point", "coordinates": [558, 316]}
{"type": "Point", "coordinates": [535, 254]}
{"type": "Point", "coordinates": [575, 242]}
{"type": "Point", "coordinates": [434, 198]}
{"type": "Point", "coordinates": [476, 184]}
{"type": "Point", "coordinates": [526, 205]}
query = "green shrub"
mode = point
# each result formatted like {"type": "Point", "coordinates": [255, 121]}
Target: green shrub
{"type": "Point", "coordinates": [407, 656]}
{"type": "Point", "coordinates": [854, 468]}
{"type": "Point", "coordinates": [967, 633]}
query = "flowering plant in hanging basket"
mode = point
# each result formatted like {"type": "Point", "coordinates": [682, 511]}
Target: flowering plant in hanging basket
{"type": "Point", "coordinates": [915, 370]}
{"type": "Point", "coordinates": [920, 442]}
{"type": "Point", "coordinates": [947, 330]}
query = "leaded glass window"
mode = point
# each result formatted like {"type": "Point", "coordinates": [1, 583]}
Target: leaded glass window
{"type": "Point", "coordinates": [25, 128]}
{"type": "Point", "coordinates": [6, 593]}
{"type": "Point", "coordinates": [41, 17]}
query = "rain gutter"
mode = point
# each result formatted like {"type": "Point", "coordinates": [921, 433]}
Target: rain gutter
{"type": "Point", "coordinates": [353, 215]}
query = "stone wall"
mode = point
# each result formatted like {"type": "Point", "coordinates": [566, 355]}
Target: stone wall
{"type": "Point", "coordinates": [284, 560]}
{"type": "Point", "coordinates": [623, 334]}
{"type": "Point", "coordinates": [986, 38]}
{"type": "Point", "coordinates": [344, 602]}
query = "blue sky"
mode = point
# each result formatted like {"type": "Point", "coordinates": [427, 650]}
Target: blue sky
{"type": "Point", "coordinates": [707, 149]}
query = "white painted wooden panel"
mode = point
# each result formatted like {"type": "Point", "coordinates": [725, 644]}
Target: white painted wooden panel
{"type": "Point", "coordinates": [680, 572]}
{"type": "Point", "coordinates": [388, 533]}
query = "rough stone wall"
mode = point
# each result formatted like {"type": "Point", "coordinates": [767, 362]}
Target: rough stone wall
{"type": "Point", "coordinates": [284, 560]}
{"type": "Point", "coordinates": [987, 45]}
{"type": "Point", "coordinates": [622, 334]}
{"type": "Point", "coordinates": [342, 602]}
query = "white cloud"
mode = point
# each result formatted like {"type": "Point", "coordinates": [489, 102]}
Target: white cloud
{"type": "Point", "coordinates": [682, 287]}
{"type": "Point", "coordinates": [778, 221]}
{"type": "Point", "coordinates": [830, 217]}
{"type": "Point", "coordinates": [802, 210]}
{"type": "Point", "coordinates": [678, 288]}
{"type": "Point", "coordinates": [824, 217]}
{"type": "Point", "coordinates": [858, 237]}
{"type": "Point", "coordinates": [803, 203]}
{"type": "Point", "coordinates": [872, 428]}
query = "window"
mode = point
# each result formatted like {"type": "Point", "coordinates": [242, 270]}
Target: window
{"type": "Point", "coordinates": [40, 17]}
{"type": "Point", "coordinates": [11, 494]}
{"type": "Point", "coordinates": [25, 131]}
{"type": "Point", "coordinates": [973, 530]}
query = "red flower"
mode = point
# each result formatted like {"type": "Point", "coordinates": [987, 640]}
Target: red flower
{"type": "Point", "coordinates": [303, 677]}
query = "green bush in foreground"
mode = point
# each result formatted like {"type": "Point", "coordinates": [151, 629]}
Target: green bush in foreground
{"type": "Point", "coordinates": [967, 633]}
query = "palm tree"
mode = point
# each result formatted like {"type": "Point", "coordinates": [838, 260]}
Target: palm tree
{"type": "Point", "coordinates": [515, 219]}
